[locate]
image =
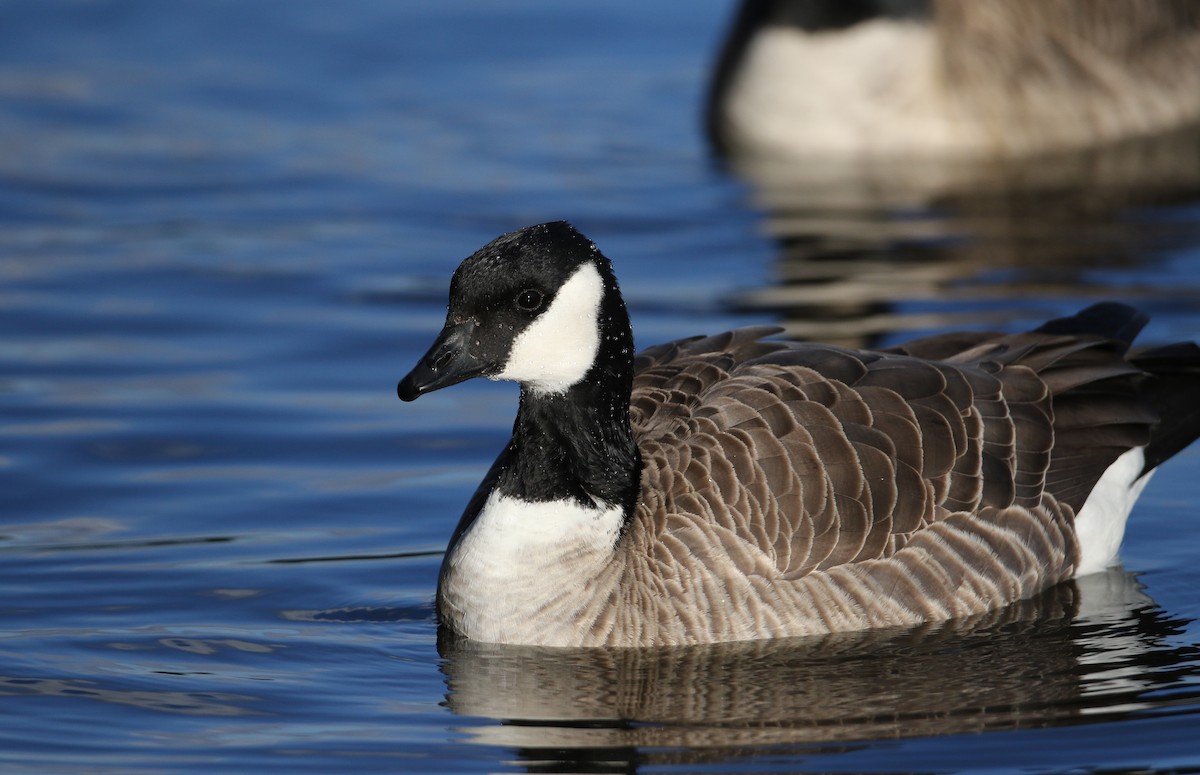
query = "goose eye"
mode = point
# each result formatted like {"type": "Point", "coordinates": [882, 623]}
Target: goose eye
{"type": "Point", "coordinates": [529, 300]}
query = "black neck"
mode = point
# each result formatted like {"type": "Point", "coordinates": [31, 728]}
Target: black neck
{"type": "Point", "coordinates": [578, 444]}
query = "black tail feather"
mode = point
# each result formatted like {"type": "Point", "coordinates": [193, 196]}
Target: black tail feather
{"type": "Point", "coordinates": [1173, 389]}
{"type": "Point", "coordinates": [1109, 319]}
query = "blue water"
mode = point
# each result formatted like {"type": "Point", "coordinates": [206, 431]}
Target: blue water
{"type": "Point", "coordinates": [226, 230]}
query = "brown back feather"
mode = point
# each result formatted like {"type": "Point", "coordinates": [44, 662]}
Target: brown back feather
{"type": "Point", "coordinates": [818, 456]}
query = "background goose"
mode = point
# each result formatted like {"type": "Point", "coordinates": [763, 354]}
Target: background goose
{"type": "Point", "coordinates": [959, 77]}
{"type": "Point", "coordinates": [730, 488]}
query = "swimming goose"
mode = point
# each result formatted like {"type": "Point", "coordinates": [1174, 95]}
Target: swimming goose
{"type": "Point", "coordinates": [952, 77]}
{"type": "Point", "coordinates": [733, 487]}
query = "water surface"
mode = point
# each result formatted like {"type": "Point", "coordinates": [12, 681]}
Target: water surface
{"type": "Point", "coordinates": [226, 231]}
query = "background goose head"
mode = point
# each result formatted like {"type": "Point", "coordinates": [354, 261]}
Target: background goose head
{"type": "Point", "coordinates": [539, 306]}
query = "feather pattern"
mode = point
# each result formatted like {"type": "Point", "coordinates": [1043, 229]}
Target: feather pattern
{"type": "Point", "coordinates": [839, 490]}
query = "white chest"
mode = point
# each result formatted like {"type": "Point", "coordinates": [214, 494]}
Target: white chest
{"type": "Point", "coordinates": [522, 567]}
{"type": "Point", "coordinates": [869, 89]}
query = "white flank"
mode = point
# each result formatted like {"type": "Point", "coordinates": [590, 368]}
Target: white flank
{"type": "Point", "coordinates": [519, 557]}
{"type": "Point", "coordinates": [1100, 524]}
{"type": "Point", "coordinates": [559, 346]}
{"type": "Point", "coordinates": [870, 88]}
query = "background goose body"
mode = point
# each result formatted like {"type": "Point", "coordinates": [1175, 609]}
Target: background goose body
{"type": "Point", "coordinates": [732, 487]}
{"type": "Point", "coordinates": [955, 77]}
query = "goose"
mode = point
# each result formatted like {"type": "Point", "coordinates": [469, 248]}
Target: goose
{"type": "Point", "coordinates": [734, 487]}
{"type": "Point", "coordinates": [958, 78]}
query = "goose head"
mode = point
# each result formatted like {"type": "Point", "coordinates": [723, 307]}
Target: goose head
{"type": "Point", "coordinates": [538, 306]}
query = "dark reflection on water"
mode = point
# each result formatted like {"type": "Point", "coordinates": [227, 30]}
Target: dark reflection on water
{"type": "Point", "coordinates": [422, 613]}
{"type": "Point", "coordinates": [187, 703]}
{"type": "Point", "coordinates": [1094, 650]}
{"type": "Point", "coordinates": [868, 248]}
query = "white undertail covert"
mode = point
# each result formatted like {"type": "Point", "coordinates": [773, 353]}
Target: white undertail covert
{"type": "Point", "coordinates": [1100, 524]}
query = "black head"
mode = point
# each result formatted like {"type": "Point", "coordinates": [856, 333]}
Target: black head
{"type": "Point", "coordinates": [528, 306]}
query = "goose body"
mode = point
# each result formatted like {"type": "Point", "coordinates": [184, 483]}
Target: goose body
{"type": "Point", "coordinates": [734, 487]}
{"type": "Point", "coordinates": [959, 78]}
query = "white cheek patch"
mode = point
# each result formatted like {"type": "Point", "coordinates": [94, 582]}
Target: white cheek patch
{"type": "Point", "coordinates": [560, 345]}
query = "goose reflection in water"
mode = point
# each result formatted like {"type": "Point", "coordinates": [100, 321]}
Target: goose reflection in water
{"type": "Point", "coordinates": [891, 247]}
{"type": "Point", "coordinates": [1094, 649]}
